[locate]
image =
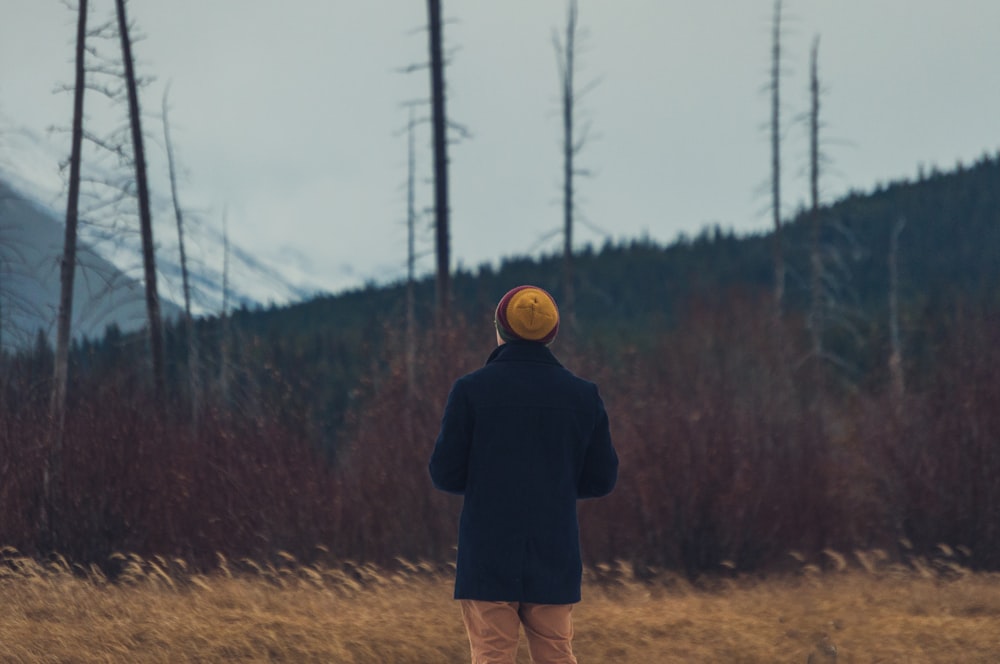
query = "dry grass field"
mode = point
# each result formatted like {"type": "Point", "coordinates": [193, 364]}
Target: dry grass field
{"type": "Point", "coordinates": [859, 610]}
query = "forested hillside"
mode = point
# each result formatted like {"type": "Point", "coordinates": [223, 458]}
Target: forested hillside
{"type": "Point", "coordinates": [947, 248]}
{"type": "Point", "coordinates": [739, 443]}
{"type": "Point", "coordinates": [629, 292]}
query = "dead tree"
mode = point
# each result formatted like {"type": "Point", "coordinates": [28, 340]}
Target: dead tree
{"type": "Point", "coordinates": [145, 216]}
{"type": "Point", "coordinates": [566, 51]}
{"type": "Point", "coordinates": [440, 127]}
{"type": "Point", "coordinates": [895, 344]}
{"type": "Point", "coordinates": [832, 302]}
{"type": "Point", "coordinates": [775, 89]}
{"type": "Point", "coordinates": [225, 328]}
{"type": "Point", "coordinates": [67, 269]}
{"type": "Point", "coordinates": [817, 300]}
{"type": "Point", "coordinates": [67, 266]}
{"type": "Point", "coordinates": [192, 343]}
{"type": "Point", "coordinates": [411, 259]}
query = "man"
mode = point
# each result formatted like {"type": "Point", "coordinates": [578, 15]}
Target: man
{"type": "Point", "coordinates": [522, 439]}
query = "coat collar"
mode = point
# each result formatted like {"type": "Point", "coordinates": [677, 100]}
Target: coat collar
{"type": "Point", "coordinates": [522, 351]}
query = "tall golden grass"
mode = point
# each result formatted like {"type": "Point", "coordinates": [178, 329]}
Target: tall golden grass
{"type": "Point", "coordinates": [857, 609]}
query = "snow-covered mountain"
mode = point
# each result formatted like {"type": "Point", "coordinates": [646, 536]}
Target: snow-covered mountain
{"type": "Point", "coordinates": [108, 287]}
{"type": "Point", "coordinates": [31, 243]}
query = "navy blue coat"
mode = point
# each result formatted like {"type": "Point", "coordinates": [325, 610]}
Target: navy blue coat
{"type": "Point", "coordinates": [522, 439]}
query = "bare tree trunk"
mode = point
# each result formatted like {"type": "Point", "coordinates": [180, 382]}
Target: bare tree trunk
{"type": "Point", "coordinates": [67, 267]}
{"type": "Point", "coordinates": [192, 343]}
{"type": "Point", "coordinates": [145, 217]}
{"type": "Point", "coordinates": [895, 345]}
{"type": "Point", "coordinates": [411, 260]}
{"type": "Point", "coordinates": [816, 314]}
{"type": "Point", "coordinates": [224, 331]}
{"type": "Point", "coordinates": [777, 248]}
{"type": "Point", "coordinates": [565, 58]}
{"type": "Point", "coordinates": [440, 126]}
{"type": "Point", "coordinates": [67, 270]}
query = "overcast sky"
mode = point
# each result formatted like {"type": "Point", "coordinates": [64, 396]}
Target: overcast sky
{"type": "Point", "coordinates": [288, 116]}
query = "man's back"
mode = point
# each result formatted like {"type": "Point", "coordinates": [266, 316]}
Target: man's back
{"type": "Point", "coordinates": [522, 438]}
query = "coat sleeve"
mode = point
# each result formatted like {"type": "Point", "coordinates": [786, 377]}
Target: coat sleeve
{"type": "Point", "coordinates": [600, 462]}
{"type": "Point", "coordinates": [449, 465]}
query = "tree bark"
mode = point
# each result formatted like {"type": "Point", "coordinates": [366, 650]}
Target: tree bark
{"type": "Point", "coordinates": [225, 330]}
{"type": "Point", "coordinates": [67, 272]}
{"type": "Point", "coordinates": [145, 217]}
{"type": "Point", "coordinates": [816, 315]}
{"type": "Point", "coordinates": [67, 266]}
{"type": "Point", "coordinates": [192, 342]}
{"type": "Point", "coordinates": [777, 248]}
{"type": "Point", "coordinates": [569, 149]}
{"type": "Point", "coordinates": [440, 127]}
{"type": "Point", "coordinates": [411, 262]}
{"type": "Point", "coordinates": [895, 344]}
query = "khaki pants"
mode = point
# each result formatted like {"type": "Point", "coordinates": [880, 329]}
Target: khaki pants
{"type": "Point", "coordinates": [493, 631]}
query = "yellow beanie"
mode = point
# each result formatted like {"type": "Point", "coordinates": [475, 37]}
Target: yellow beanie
{"type": "Point", "coordinates": [529, 313]}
